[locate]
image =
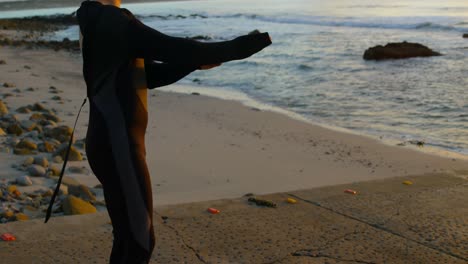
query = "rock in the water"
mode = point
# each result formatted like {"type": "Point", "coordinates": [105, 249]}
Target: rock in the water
{"type": "Point", "coordinates": [3, 108]}
{"type": "Point", "coordinates": [81, 191]}
{"type": "Point", "coordinates": [15, 129]}
{"type": "Point", "coordinates": [61, 133]}
{"type": "Point", "coordinates": [401, 50]}
{"type": "Point", "coordinates": [2, 132]}
{"type": "Point", "coordinates": [74, 154]}
{"type": "Point", "coordinates": [465, 35]}
{"type": "Point", "coordinates": [36, 170]}
{"type": "Point", "coordinates": [73, 205]}
{"type": "Point", "coordinates": [41, 161]}
{"type": "Point", "coordinates": [24, 180]}
{"type": "Point", "coordinates": [27, 144]}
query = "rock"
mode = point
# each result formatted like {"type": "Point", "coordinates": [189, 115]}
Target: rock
{"type": "Point", "coordinates": [55, 170]}
{"type": "Point", "coordinates": [39, 107]}
{"type": "Point", "coordinates": [8, 85]}
{"type": "Point", "coordinates": [57, 159]}
{"type": "Point", "coordinates": [21, 217]}
{"type": "Point", "coordinates": [28, 161]}
{"type": "Point", "coordinates": [465, 35]}
{"type": "Point", "coordinates": [12, 188]}
{"type": "Point", "coordinates": [26, 144]}
{"type": "Point", "coordinates": [2, 132]}
{"type": "Point", "coordinates": [27, 67]}
{"type": "Point", "coordinates": [61, 133]}
{"type": "Point", "coordinates": [29, 125]}
{"type": "Point", "coordinates": [78, 170]}
{"type": "Point", "coordinates": [2, 62]}
{"type": "Point", "coordinates": [23, 110]}
{"type": "Point", "coordinates": [41, 161]}
{"type": "Point", "coordinates": [399, 50]}
{"type": "Point", "coordinates": [56, 97]}
{"type": "Point", "coordinates": [37, 117]}
{"type": "Point", "coordinates": [63, 189]}
{"type": "Point", "coordinates": [80, 143]}
{"type": "Point", "coordinates": [48, 193]}
{"type": "Point", "coordinates": [47, 146]}
{"type": "Point", "coordinates": [36, 170]}
{"type": "Point", "coordinates": [30, 89]}
{"type": "Point", "coordinates": [24, 180]}
{"type": "Point", "coordinates": [73, 205]}
{"type": "Point", "coordinates": [15, 129]}
{"type": "Point", "coordinates": [69, 181]}
{"type": "Point", "coordinates": [17, 90]}
{"type": "Point", "coordinates": [52, 117]}
{"type": "Point", "coordinates": [82, 191]}
{"type": "Point", "coordinates": [22, 151]}
{"type": "Point", "coordinates": [3, 108]}
{"type": "Point", "coordinates": [74, 154]}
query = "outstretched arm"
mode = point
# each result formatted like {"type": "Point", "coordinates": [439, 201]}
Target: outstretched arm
{"type": "Point", "coordinates": [146, 42]}
{"type": "Point", "coordinates": [161, 74]}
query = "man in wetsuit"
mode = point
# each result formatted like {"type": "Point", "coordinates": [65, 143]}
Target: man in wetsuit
{"type": "Point", "coordinates": [122, 58]}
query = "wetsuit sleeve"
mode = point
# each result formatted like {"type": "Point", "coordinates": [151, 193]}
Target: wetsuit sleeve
{"type": "Point", "coordinates": [161, 74]}
{"type": "Point", "coordinates": [146, 42]}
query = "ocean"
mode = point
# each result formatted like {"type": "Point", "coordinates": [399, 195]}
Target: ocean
{"type": "Point", "coordinates": [315, 69]}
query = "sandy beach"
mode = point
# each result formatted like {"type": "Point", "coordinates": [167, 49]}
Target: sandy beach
{"type": "Point", "coordinates": [206, 152]}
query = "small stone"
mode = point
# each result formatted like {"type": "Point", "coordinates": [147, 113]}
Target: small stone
{"type": "Point", "coordinates": [69, 181]}
{"type": "Point", "coordinates": [55, 170]}
{"type": "Point", "coordinates": [8, 85]}
{"type": "Point", "coordinates": [38, 107]}
{"type": "Point", "coordinates": [61, 133]}
{"type": "Point", "coordinates": [63, 189]}
{"type": "Point", "coordinates": [27, 67]}
{"type": "Point", "coordinates": [28, 161]}
{"type": "Point", "coordinates": [74, 154]}
{"type": "Point", "coordinates": [29, 125]}
{"type": "Point", "coordinates": [82, 191]}
{"type": "Point", "coordinates": [11, 188]}
{"type": "Point", "coordinates": [36, 170]}
{"type": "Point", "coordinates": [56, 97]}
{"type": "Point", "coordinates": [47, 146]}
{"type": "Point", "coordinates": [30, 89]}
{"type": "Point", "coordinates": [17, 90]}
{"type": "Point", "coordinates": [23, 110]}
{"type": "Point", "coordinates": [22, 151]}
{"type": "Point", "coordinates": [52, 117]}
{"type": "Point", "coordinates": [3, 108]}
{"type": "Point", "coordinates": [78, 170]}
{"type": "Point", "coordinates": [42, 161]}
{"type": "Point", "coordinates": [37, 117]}
{"type": "Point", "coordinates": [73, 205]}
{"type": "Point", "coordinates": [15, 129]}
{"type": "Point", "coordinates": [47, 193]}
{"type": "Point", "coordinates": [2, 132]}
{"type": "Point", "coordinates": [24, 180]}
{"type": "Point", "coordinates": [8, 214]}
{"type": "Point", "coordinates": [57, 159]}
{"type": "Point", "coordinates": [21, 217]}
{"type": "Point", "coordinates": [27, 144]}
{"type": "Point", "coordinates": [2, 62]}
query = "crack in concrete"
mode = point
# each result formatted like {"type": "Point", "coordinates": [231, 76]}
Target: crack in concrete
{"type": "Point", "coordinates": [200, 258]}
{"type": "Point", "coordinates": [382, 228]}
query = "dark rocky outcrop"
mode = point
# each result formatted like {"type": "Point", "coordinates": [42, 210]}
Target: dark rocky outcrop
{"type": "Point", "coordinates": [400, 50]}
{"type": "Point", "coordinates": [465, 35]}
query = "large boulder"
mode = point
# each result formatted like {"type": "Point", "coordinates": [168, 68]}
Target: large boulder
{"type": "Point", "coordinates": [400, 50]}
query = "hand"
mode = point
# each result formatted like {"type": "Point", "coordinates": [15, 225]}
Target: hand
{"type": "Point", "coordinates": [209, 66]}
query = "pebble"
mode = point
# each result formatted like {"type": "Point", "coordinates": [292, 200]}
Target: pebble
{"type": "Point", "coordinates": [27, 144]}
{"type": "Point", "coordinates": [2, 62]}
{"type": "Point", "coordinates": [73, 205]}
{"type": "Point", "coordinates": [42, 161]}
{"type": "Point", "coordinates": [57, 159]}
{"type": "Point", "coordinates": [46, 146]}
{"type": "Point", "coordinates": [28, 161]}
{"type": "Point", "coordinates": [82, 191]}
{"type": "Point", "coordinates": [3, 108]}
{"type": "Point", "coordinates": [52, 117]}
{"type": "Point", "coordinates": [74, 154]}
{"type": "Point", "coordinates": [47, 193]}
{"type": "Point", "coordinates": [23, 110]}
{"type": "Point", "coordinates": [21, 217]}
{"type": "Point", "coordinates": [21, 151]}
{"type": "Point", "coordinates": [56, 97]}
{"type": "Point", "coordinates": [15, 129]}
{"type": "Point", "coordinates": [39, 107]}
{"type": "Point", "coordinates": [11, 188]}
{"type": "Point", "coordinates": [2, 132]}
{"type": "Point", "coordinates": [30, 89]}
{"type": "Point", "coordinates": [55, 170]}
{"type": "Point", "coordinates": [69, 181]}
{"type": "Point", "coordinates": [24, 180]}
{"type": "Point", "coordinates": [36, 170]}
{"type": "Point", "coordinates": [8, 85]}
{"type": "Point", "coordinates": [60, 133]}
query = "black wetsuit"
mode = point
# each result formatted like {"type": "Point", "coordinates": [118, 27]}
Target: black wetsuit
{"type": "Point", "coordinates": [113, 39]}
